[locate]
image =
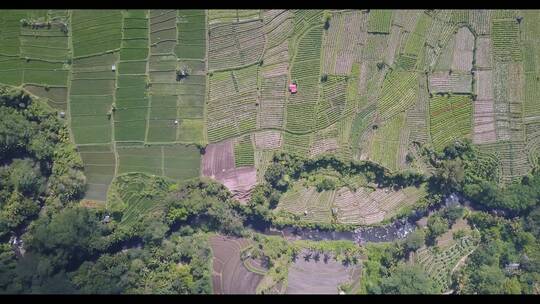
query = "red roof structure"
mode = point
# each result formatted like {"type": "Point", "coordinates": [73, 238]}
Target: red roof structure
{"type": "Point", "coordinates": [292, 88]}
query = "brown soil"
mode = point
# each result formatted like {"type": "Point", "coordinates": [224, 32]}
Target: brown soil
{"type": "Point", "coordinates": [230, 276]}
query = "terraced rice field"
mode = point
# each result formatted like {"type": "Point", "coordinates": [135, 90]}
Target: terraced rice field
{"type": "Point", "coordinates": [137, 195]}
{"type": "Point", "coordinates": [364, 206]}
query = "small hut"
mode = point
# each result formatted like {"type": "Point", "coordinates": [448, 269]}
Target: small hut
{"type": "Point", "coordinates": [293, 88]}
{"type": "Point", "coordinates": [113, 67]}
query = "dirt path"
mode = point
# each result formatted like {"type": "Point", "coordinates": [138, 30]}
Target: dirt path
{"type": "Point", "coordinates": [461, 261]}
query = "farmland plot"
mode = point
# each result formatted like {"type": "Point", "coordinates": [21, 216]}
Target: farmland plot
{"type": "Point", "coordinates": [131, 97]}
{"type": "Point", "coordinates": [505, 40]}
{"type": "Point", "coordinates": [44, 73]}
{"type": "Point", "coordinates": [243, 152]}
{"type": "Point", "coordinates": [177, 162]}
{"type": "Point", "coordinates": [91, 98]}
{"type": "Point", "coordinates": [417, 115]}
{"type": "Point", "coordinates": [366, 206]}
{"type": "Point", "coordinates": [191, 34]}
{"type": "Point", "coordinates": [342, 42]}
{"type": "Point", "coordinates": [305, 71]}
{"type": "Point", "coordinates": [512, 157]}
{"type": "Point", "coordinates": [56, 97]}
{"type": "Point", "coordinates": [44, 44]}
{"type": "Point", "coordinates": [379, 21]}
{"type": "Point", "coordinates": [235, 44]}
{"type": "Point", "coordinates": [385, 145]}
{"type": "Point", "coordinates": [99, 169]}
{"type": "Point", "coordinates": [272, 106]}
{"type": "Point", "coordinates": [480, 21]}
{"type": "Point", "coordinates": [95, 31]}
{"type": "Point", "coordinates": [218, 162]}
{"type": "Point", "coordinates": [484, 120]}
{"type": "Point", "coordinates": [162, 65]}
{"type": "Point", "coordinates": [229, 275]}
{"type": "Point", "coordinates": [332, 102]}
{"type": "Point", "coordinates": [446, 82]}
{"type": "Point", "coordinates": [278, 26]}
{"type": "Point", "coordinates": [463, 51]}
{"type": "Point", "coordinates": [483, 53]}
{"type": "Point", "coordinates": [9, 33]}
{"type": "Point", "coordinates": [318, 276]}
{"type": "Point", "coordinates": [297, 144]}
{"type": "Point", "coordinates": [311, 205]}
{"type": "Point", "coordinates": [440, 265]}
{"type": "Point", "coordinates": [267, 140]}
{"type": "Point", "coordinates": [176, 104]}
{"type": "Point", "coordinates": [324, 140]}
{"type": "Point", "coordinates": [232, 106]}
{"type": "Point", "coordinates": [137, 195]}
{"type": "Point", "coordinates": [400, 90]}
{"type": "Point", "coordinates": [229, 15]}
{"type": "Point", "coordinates": [450, 119]}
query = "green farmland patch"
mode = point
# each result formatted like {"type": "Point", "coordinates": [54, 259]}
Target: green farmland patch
{"type": "Point", "coordinates": [191, 34]}
{"type": "Point", "coordinates": [244, 153]}
{"type": "Point", "coordinates": [99, 164]}
{"type": "Point", "coordinates": [450, 119]}
{"type": "Point", "coordinates": [379, 21]}
{"type": "Point", "coordinates": [95, 31]}
{"type": "Point", "coordinates": [177, 162]}
{"type": "Point", "coordinates": [137, 195]}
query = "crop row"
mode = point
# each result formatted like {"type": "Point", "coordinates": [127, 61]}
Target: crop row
{"type": "Point", "coordinates": [450, 119]}
{"type": "Point", "coordinates": [243, 152]}
{"type": "Point", "coordinates": [235, 44]}
{"type": "Point", "coordinates": [95, 31]}
{"type": "Point", "coordinates": [385, 143]}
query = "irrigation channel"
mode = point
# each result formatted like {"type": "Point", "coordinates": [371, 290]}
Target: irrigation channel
{"type": "Point", "coordinates": [397, 230]}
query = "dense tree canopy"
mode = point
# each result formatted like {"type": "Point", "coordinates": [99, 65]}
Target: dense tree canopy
{"type": "Point", "coordinates": [407, 279]}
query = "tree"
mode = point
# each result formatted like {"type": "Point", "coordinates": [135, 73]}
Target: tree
{"type": "Point", "coordinates": [512, 286]}
{"type": "Point", "coordinates": [452, 214]}
{"type": "Point", "coordinates": [326, 184]}
{"type": "Point", "coordinates": [68, 238]}
{"type": "Point", "coordinates": [415, 240]}
{"type": "Point", "coordinates": [487, 280]}
{"type": "Point", "coordinates": [26, 177]}
{"type": "Point", "coordinates": [408, 279]}
{"type": "Point", "coordinates": [448, 176]}
{"type": "Point", "coordinates": [437, 225]}
{"type": "Point", "coordinates": [532, 222]}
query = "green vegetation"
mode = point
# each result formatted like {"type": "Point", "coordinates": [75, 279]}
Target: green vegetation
{"type": "Point", "coordinates": [243, 153]}
{"type": "Point", "coordinates": [380, 21]}
{"type": "Point", "coordinates": [41, 167]}
{"type": "Point", "coordinates": [95, 31]}
{"type": "Point", "coordinates": [105, 116]}
{"type": "Point", "coordinates": [450, 119]}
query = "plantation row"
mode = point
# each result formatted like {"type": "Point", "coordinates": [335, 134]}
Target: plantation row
{"type": "Point", "coordinates": [439, 265]}
{"type": "Point", "coordinates": [233, 45]}
{"type": "Point", "coordinates": [232, 108]}
{"type": "Point", "coordinates": [450, 119]}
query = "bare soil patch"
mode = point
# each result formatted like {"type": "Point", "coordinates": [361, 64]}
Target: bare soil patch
{"type": "Point", "coordinates": [218, 163]}
{"type": "Point", "coordinates": [309, 275]}
{"type": "Point", "coordinates": [230, 276]}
